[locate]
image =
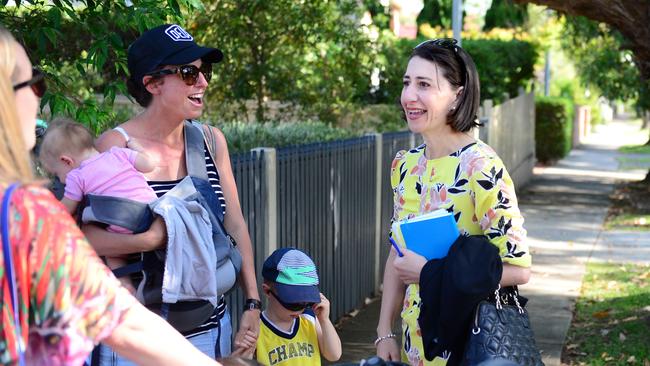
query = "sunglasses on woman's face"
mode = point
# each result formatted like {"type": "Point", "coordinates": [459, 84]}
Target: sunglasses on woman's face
{"type": "Point", "coordinates": [189, 73]}
{"type": "Point", "coordinates": [299, 306]}
{"type": "Point", "coordinates": [37, 83]}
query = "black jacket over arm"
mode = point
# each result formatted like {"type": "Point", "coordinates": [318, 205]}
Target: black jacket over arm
{"type": "Point", "coordinates": [450, 289]}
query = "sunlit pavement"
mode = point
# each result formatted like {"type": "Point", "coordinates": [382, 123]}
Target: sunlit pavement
{"type": "Point", "coordinates": [564, 208]}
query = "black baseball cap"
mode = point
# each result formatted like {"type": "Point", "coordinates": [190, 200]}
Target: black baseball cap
{"type": "Point", "coordinates": [167, 44]}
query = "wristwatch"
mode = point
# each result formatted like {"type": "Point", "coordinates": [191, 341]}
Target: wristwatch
{"type": "Point", "coordinates": [252, 304]}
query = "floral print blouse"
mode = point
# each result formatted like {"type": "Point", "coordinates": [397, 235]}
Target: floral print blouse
{"type": "Point", "coordinates": [68, 299]}
{"type": "Point", "coordinates": [474, 185]}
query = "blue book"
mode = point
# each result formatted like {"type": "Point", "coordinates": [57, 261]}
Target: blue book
{"type": "Point", "coordinates": [429, 235]}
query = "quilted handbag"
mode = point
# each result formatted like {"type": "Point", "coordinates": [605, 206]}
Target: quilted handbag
{"type": "Point", "coordinates": [501, 331]}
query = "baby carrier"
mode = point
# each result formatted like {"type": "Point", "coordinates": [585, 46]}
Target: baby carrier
{"type": "Point", "coordinates": [138, 217]}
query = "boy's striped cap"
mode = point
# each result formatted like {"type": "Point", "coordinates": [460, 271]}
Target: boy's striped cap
{"type": "Point", "coordinates": [294, 275]}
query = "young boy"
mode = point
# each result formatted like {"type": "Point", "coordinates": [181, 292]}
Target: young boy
{"type": "Point", "coordinates": [290, 334]}
{"type": "Point", "coordinates": [68, 152]}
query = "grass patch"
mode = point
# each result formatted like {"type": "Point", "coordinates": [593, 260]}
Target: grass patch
{"type": "Point", "coordinates": [630, 208]}
{"type": "Point", "coordinates": [611, 323]}
{"type": "Point", "coordinates": [628, 222]}
{"type": "Point", "coordinates": [635, 149]}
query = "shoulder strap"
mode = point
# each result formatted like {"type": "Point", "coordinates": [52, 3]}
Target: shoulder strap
{"type": "Point", "coordinates": [211, 140]}
{"type": "Point", "coordinates": [194, 151]}
{"type": "Point", "coordinates": [123, 133]}
{"type": "Point", "coordinates": [9, 270]}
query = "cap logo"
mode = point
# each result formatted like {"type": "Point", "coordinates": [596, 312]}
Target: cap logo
{"type": "Point", "coordinates": [178, 34]}
{"type": "Point", "coordinates": [298, 276]}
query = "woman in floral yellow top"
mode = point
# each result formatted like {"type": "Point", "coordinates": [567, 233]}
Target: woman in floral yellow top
{"type": "Point", "coordinates": [451, 171]}
{"type": "Point", "coordinates": [67, 299]}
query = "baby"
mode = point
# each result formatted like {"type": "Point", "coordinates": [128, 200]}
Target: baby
{"type": "Point", "coordinates": [68, 152]}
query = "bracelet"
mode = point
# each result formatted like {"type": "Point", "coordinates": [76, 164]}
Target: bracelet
{"type": "Point", "coordinates": [381, 338]}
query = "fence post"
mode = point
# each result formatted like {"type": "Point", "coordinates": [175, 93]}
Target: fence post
{"type": "Point", "coordinates": [379, 144]}
{"type": "Point", "coordinates": [484, 132]}
{"type": "Point", "coordinates": [269, 187]}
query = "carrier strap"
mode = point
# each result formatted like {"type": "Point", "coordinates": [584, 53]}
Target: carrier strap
{"type": "Point", "coordinates": [195, 151]}
{"type": "Point", "coordinates": [128, 269]}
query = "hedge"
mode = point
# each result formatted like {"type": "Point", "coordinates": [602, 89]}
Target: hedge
{"type": "Point", "coordinates": [503, 67]}
{"type": "Point", "coordinates": [553, 128]}
{"type": "Point", "coordinates": [245, 136]}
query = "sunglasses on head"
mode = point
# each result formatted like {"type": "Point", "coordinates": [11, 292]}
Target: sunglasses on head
{"type": "Point", "coordinates": [298, 306]}
{"type": "Point", "coordinates": [37, 83]}
{"type": "Point", "coordinates": [189, 73]}
{"type": "Point", "coordinates": [448, 43]}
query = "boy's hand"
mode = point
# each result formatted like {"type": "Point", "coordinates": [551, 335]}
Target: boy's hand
{"type": "Point", "coordinates": [247, 341]}
{"type": "Point", "coordinates": [322, 309]}
{"type": "Point", "coordinates": [243, 352]}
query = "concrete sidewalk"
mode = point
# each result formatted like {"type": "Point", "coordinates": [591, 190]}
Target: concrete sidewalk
{"type": "Point", "coordinates": [564, 207]}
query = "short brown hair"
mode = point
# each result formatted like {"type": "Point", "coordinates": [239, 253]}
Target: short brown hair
{"type": "Point", "coordinates": [65, 136]}
{"type": "Point", "coordinates": [460, 71]}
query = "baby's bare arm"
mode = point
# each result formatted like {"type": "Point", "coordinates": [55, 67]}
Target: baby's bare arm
{"type": "Point", "coordinates": [70, 205]}
{"type": "Point", "coordinates": [143, 162]}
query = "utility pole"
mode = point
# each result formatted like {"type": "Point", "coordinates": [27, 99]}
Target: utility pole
{"type": "Point", "coordinates": [457, 19]}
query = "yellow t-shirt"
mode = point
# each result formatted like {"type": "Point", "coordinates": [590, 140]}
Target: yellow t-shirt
{"type": "Point", "coordinates": [472, 183]}
{"type": "Point", "coordinates": [297, 348]}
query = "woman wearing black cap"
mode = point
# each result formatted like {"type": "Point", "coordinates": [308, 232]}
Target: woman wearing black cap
{"type": "Point", "coordinates": [169, 74]}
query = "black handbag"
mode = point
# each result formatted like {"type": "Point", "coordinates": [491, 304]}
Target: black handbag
{"type": "Point", "coordinates": [501, 331]}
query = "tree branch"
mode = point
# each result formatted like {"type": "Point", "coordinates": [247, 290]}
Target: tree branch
{"type": "Point", "coordinates": [630, 17]}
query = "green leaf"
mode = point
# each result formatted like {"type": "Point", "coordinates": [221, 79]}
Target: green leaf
{"type": "Point", "coordinates": [51, 34]}
{"type": "Point", "coordinates": [194, 5]}
{"type": "Point", "coordinates": [115, 40]}
{"type": "Point", "coordinates": [80, 68]}
{"type": "Point", "coordinates": [54, 17]}
{"type": "Point", "coordinates": [173, 4]}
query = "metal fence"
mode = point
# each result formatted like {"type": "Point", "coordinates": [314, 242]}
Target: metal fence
{"type": "Point", "coordinates": [323, 191]}
{"type": "Point", "coordinates": [323, 198]}
{"type": "Point", "coordinates": [248, 169]}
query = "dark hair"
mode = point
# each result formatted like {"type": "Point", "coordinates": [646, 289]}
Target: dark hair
{"type": "Point", "coordinates": [139, 91]}
{"type": "Point", "coordinates": [460, 71]}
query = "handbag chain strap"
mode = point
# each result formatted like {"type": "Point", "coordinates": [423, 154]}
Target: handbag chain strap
{"type": "Point", "coordinates": [497, 298]}
{"type": "Point", "coordinates": [9, 270]}
{"type": "Point", "coordinates": [515, 297]}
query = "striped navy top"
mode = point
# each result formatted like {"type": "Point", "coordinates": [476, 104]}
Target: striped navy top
{"type": "Point", "coordinates": [162, 187]}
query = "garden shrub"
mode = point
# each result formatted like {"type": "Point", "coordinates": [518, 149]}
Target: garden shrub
{"type": "Point", "coordinates": [553, 128]}
{"type": "Point", "coordinates": [375, 118]}
{"type": "Point", "coordinates": [242, 137]}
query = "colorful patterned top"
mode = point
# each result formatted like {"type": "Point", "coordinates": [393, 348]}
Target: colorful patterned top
{"type": "Point", "coordinates": [68, 298]}
{"type": "Point", "coordinates": [473, 184]}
